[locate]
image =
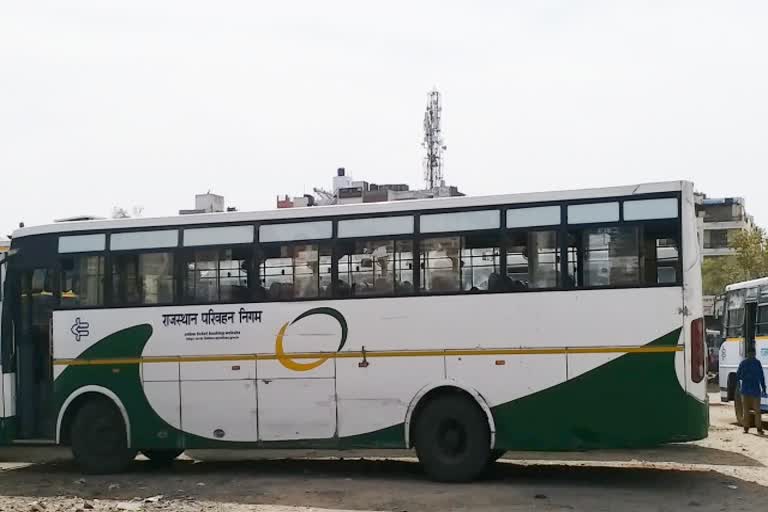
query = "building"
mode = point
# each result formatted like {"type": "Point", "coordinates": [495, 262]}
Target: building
{"type": "Point", "coordinates": [720, 219]}
{"type": "Point", "coordinates": [5, 245]}
{"type": "Point", "coordinates": [207, 203]}
{"type": "Point", "coordinates": [346, 190]}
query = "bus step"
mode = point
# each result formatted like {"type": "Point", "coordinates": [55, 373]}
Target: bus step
{"type": "Point", "coordinates": [33, 442]}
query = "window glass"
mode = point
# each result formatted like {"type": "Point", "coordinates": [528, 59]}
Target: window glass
{"type": "Point", "coordinates": [470, 263]}
{"type": "Point", "coordinates": [403, 264]}
{"type": "Point", "coordinates": [295, 231]}
{"type": "Point", "coordinates": [596, 212]}
{"type": "Point", "coordinates": [533, 260]}
{"type": "Point", "coordinates": [661, 255]}
{"type": "Point", "coordinates": [82, 243]}
{"type": "Point", "coordinates": [650, 209]}
{"type": "Point", "coordinates": [460, 221]}
{"type": "Point", "coordinates": [535, 216]}
{"type": "Point", "coordinates": [300, 271]}
{"type": "Point", "coordinates": [480, 261]}
{"type": "Point", "coordinates": [735, 318]}
{"type": "Point", "coordinates": [380, 267]}
{"type": "Point", "coordinates": [144, 240]}
{"type": "Point", "coordinates": [440, 264]}
{"type": "Point", "coordinates": [366, 269]}
{"type": "Point", "coordinates": [82, 281]}
{"type": "Point", "coordinates": [606, 256]}
{"type": "Point", "coordinates": [375, 227]}
{"type": "Point", "coordinates": [217, 275]}
{"type": "Point", "coordinates": [143, 278]}
{"type": "Point", "coordinates": [200, 284]}
{"type": "Point", "coordinates": [234, 265]}
{"type": "Point", "coordinates": [762, 320]}
{"type": "Point", "coordinates": [218, 236]}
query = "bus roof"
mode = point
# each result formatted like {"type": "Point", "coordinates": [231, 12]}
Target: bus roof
{"type": "Point", "coordinates": [351, 209]}
{"type": "Point", "coordinates": [754, 283]}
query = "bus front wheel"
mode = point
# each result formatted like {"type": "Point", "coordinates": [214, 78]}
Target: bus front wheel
{"type": "Point", "coordinates": [161, 456]}
{"type": "Point", "coordinates": [99, 440]}
{"type": "Point", "coordinates": [452, 439]}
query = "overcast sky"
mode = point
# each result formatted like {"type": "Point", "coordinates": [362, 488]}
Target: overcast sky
{"type": "Point", "coordinates": [147, 102]}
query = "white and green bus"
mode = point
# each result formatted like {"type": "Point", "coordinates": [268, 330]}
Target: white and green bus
{"type": "Point", "coordinates": [745, 328]}
{"type": "Point", "coordinates": [461, 327]}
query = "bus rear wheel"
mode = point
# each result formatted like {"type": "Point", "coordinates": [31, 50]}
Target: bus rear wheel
{"type": "Point", "coordinates": [161, 456]}
{"type": "Point", "coordinates": [452, 439]}
{"type": "Point", "coordinates": [99, 440]}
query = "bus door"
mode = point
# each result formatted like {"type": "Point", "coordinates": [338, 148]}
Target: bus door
{"type": "Point", "coordinates": [34, 368]}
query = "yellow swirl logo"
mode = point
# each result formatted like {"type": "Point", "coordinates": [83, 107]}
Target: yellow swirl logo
{"type": "Point", "coordinates": [294, 365]}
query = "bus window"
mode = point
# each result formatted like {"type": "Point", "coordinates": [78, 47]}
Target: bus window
{"type": "Point", "coordinates": [480, 261]}
{"type": "Point", "coordinates": [375, 268]}
{"type": "Point", "coordinates": [82, 281]}
{"type": "Point", "coordinates": [217, 275]}
{"type": "Point", "coordinates": [661, 256]}
{"type": "Point", "coordinates": [200, 283]}
{"type": "Point", "coordinates": [470, 263]}
{"type": "Point", "coordinates": [301, 271]}
{"type": "Point", "coordinates": [533, 259]}
{"type": "Point", "coordinates": [610, 256]}
{"type": "Point", "coordinates": [735, 319]}
{"type": "Point", "coordinates": [403, 265]}
{"type": "Point", "coordinates": [761, 325]}
{"type": "Point", "coordinates": [143, 278]}
{"type": "Point", "coordinates": [440, 264]}
{"type": "Point", "coordinates": [366, 268]}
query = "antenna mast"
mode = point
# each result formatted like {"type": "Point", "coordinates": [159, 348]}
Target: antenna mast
{"type": "Point", "coordinates": [433, 141]}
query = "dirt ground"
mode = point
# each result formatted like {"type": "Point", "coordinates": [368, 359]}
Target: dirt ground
{"type": "Point", "coordinates": [727, 471]}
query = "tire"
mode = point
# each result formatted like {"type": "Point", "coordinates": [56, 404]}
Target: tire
{"type": "Point", "coordinates": [738, 408]}
{"type": "Point", "coordinates": [161, 457]}
{"type": "Point", "coordinates": [496, 455]}
{"type": "Point", "coordinates": [99, 441]}
{"type": "Point", "coordinates": [452, 439]}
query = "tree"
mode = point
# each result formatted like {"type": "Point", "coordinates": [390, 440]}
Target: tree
{"type": "Point", "coordinates": [750, 261]}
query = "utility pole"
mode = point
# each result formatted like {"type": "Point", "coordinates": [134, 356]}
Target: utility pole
{"type": "Point", "coordinates": [433, 142]}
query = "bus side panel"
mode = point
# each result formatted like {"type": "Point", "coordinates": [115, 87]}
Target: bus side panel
{"type": "Point", "coordinates": [730, 357]}
{"type": "Point", "coordinates": [692, 290]}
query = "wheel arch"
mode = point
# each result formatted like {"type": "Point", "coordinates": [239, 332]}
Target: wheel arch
{"type": "Point", "coordinates": [80, 396]}
{"type": "Point", "coordinates": [438, 388]}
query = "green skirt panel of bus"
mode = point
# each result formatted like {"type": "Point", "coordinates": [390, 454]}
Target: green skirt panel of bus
{"type": "Point", "coordinates": [633, 400]}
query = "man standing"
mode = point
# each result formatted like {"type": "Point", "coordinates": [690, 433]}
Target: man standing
{"type": "Point", "coordinates": [752, 385]}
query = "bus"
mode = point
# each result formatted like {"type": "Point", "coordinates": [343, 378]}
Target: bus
{"type": "Point", "coordinates": [459, 327]}
{"type": "Point", "coordinates": [745, 326]}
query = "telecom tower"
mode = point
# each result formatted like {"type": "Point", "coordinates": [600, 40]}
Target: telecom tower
{"type": "Point", "coordinates": [433, 142]}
